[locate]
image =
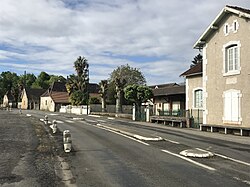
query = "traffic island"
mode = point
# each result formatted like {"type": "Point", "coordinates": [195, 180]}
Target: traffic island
{"type": "Point", "coordinates": [197, 153]}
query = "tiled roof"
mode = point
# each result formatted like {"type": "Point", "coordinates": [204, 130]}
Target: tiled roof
{"type": "Point", "coordinates": [194, 70]}
{"type": "Point", "coordinates": [60, 97]}
{"type": "Point", "coordinates": [34, 94]}
{"type": "Point", "coordinates": [169, 90]}
{"type": "Point", "coordinates": [163, 85]}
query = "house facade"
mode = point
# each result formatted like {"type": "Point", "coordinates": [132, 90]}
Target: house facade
{"type": "Point", "coordinates": [30, 98]}
{"type": "Point", "coordinates": [8, 100]}
{"type": "Point", "coordinates": [169, 99]}
{"type": "Point", "coordinates": [194, 93]}
{"type": "Point", "coordinates": [225, 81]}
{"type": "Point", "coordinates": [55, 97]}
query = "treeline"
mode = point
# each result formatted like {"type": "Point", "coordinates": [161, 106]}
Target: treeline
{"type": "Point", "coordinates": [13, 83]}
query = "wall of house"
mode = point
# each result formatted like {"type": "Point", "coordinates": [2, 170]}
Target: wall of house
{"type": "Point", "coordinates": [192, 83]}
{"type": "Point", "coordinates": [24, 104]}
{"type": "Point", "coordinates": [47, 104]}
{"type": "Point", "coordinates": [5, 101]}
{"type": "Point", "coordinates": [216, 82]}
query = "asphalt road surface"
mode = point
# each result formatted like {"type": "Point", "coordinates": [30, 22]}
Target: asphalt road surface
{"type": "Point", "coordinates": [106, 153]}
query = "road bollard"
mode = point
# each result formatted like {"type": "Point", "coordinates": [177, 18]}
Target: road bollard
{"type": "Point", "coordinates": [67, 141]}
{"type": "Point", "coordinates": [54, 126]}
{"type": "Point", "coordinates": [20, 111]}
{"type": "Point", "coordinates": [46, 120]}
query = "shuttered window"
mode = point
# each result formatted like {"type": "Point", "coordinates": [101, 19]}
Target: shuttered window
{"type": "Point", "coordinates": [232, 106]}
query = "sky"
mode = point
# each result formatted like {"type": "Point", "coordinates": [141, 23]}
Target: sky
{"type": "Point", "coordinates": [155, 36]}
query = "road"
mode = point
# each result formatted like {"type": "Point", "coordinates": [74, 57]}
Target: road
{"type": "Point", "coordinates": [106, 154]}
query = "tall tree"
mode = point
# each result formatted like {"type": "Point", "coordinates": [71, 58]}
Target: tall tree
{"type": "Point", "coordinates": [42, 81]}
{"type": "Point", "coordinates": [121, 77]}
{"type": "Point", "coordinates": [79, 83]}
{"type": "Point", "coordinates": [138, 94]}
{"type": "Point", "coordinates": [9, 82]}
{"type": "Point", "coordinates": [103, 91]}
{"type": "Point", "coordinates": [197, 59]}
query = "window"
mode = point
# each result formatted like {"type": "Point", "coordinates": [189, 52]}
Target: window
{"type": "Point", "coordinates": [46, 102]}
{"type": "Point", "coordinates": [226, 29]}
{"type": "Point", "coordinates": [231, 58]}
{"type": "Point", "coordinates": [198, 99]}
{"type": "Point", "coordinates": [235, 26]}
{"type": "Point", "coordinates": [232, 106]}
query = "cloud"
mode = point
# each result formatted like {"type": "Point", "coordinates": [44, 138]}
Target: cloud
{"type": "Point", "coordinates": [48, 35]}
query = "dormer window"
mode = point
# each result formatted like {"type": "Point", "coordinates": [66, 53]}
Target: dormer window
{"type": "Point", "coordinates": [226, 29]}
{"type": "Point", "coordinates": [235, 26]}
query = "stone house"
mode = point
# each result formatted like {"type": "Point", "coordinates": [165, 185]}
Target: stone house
{"type": "Point", "coordinates": [30, 98]}
{"type": "Point", "coordinates": [169, 99]}
{"type": "Point", "coordinates": [54, 97]}
{"type": "Point", "coordinates": [225, 80]}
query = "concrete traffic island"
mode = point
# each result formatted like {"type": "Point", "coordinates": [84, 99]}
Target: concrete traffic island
{"type": "Point", "coordinates": [197, 153]}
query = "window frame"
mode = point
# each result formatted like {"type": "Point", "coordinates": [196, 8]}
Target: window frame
{"type": "Point", "coordinates": [195, 105]}
{"type": "Point", "coordinates": [233, 46]}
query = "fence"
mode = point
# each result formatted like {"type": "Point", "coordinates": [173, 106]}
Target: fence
{"type": "Point", "coordinates": [195, 115]}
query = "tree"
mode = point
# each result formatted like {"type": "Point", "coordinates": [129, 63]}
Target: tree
{"type": "Point", "coordinates": [103, 92]}
{"type": "Point", "coordinates": [27, 80]}
{"type": "Point", "coordinates": [56, 78]}
{"type": "Point", "coordinates": [42, 81]}
{"type": "Point", "coordinates": [121, 77]}
{"type": "Point", "coordinates": [9, 82]}
{"type": "Point", "coordinates": [138, 94]}
{"type": "Point", "coordinates": [197, 59]}
{"type": "Point", "coordinates": [79, 83]}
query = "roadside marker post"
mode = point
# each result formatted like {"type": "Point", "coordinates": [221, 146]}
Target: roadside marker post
{"type": "Point", "coordinates": [67, 141]}
{"type": "Point", "coordinates": [46, 120]}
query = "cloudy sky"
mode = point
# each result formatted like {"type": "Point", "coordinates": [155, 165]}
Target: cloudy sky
{"type": "Point", "coordinates": [156, 36]}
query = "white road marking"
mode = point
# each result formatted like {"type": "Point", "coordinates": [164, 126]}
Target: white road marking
{"type": "Point", "coordinates": [28, 115]}
{"type": "Point", "coordinates": [95, 116]}
{"type": "Point", "coordinates": [244, 181]}
{"type": "Point", "coordinates": [42, 120]}
{"type": "Point", "coordinates": [228, 158]}
{"type": "Point", "coordinates": [59, 121]}
{"type": "Point", "coordinates": [122, 135]}
{"type": "Point", "coordinates": [68, 121]}
{"type": "Point", "coordinates": [171, 141]}
{"type": "Point", "coordinates": [189, 160]}
{"type": "Point", "coordinates": [232, 159]}
{"type": "Point", "coordinates": [111, 118]}
{"type": "Point", "coordinates": [100, 120]}
{"type": "Point", "coordinates": [54, 114]}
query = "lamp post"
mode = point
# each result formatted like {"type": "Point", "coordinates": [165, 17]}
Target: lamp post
{"type": "Point", "coordinates": [86, 79]}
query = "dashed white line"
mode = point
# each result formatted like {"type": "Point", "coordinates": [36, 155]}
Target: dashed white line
{"type": "Point", "coordinates": [59, 121]}
{"type": "Point", "coordinates": [100, 120]}
{"type": "Point", "coordinates": [111, 118]}
{"type": "Point", "coordinates": [232, 159]}
{"type": "Point", "coordinates": [189, 160]}
{"type": "Point", "coordinates": [171, 141]}
{"type": "Point", "coordinates": [95, 116]}
{"type": "Point", "coordinates": [122, 135]}
{"type": "Point", "coordinates": [228, 158]}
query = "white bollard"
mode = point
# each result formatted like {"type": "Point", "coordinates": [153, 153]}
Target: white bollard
{"type": "Point", "coordinates": [54, 126]}
{"type": "Point", "coordinates": [67, 141]}
{"type": "Point", "coordinates": [46, 120]}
